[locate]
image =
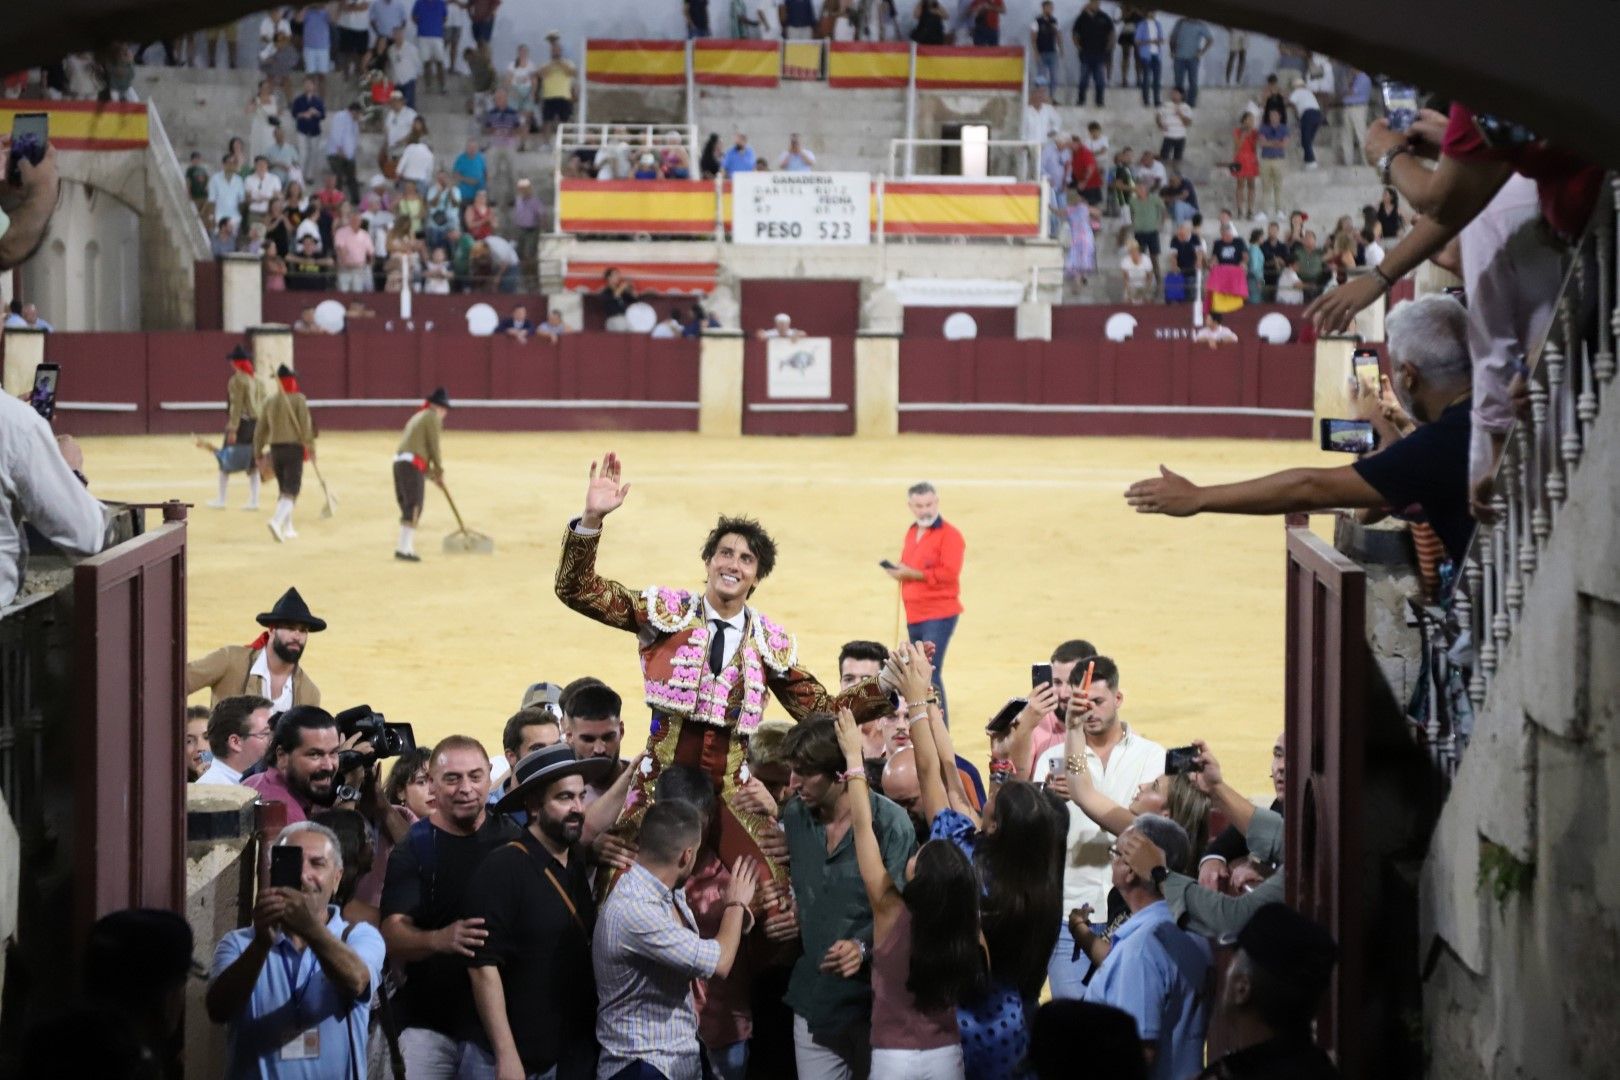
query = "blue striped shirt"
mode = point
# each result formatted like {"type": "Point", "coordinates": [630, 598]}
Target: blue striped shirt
{"type": "Point", "coordinates": [646, 952]}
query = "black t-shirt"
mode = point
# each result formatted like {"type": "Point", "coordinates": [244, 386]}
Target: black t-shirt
{"type": "Point", "coordinates": [1233, 252]}
{"type": "Point", "coordinates": [1186, 253]}
{"type": "Point", "coordinates": [1429, 469]}
{"type": "Point", "coordinates": [428, 875]}
{"type": "Point", "coordinates": [618, 302]}
{"type": "Point", "coordinates": [1093, 28]}
{"type": "Point", "coordinates": [542, 948]}
{"type": "Point", "coordinates": [1046, 32]}
{"type": "Point", "coordinates": [1276, 255]}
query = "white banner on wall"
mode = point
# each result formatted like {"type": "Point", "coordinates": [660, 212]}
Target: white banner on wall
{"type": "Point", "coordinates": [957, 292]}
{"type": "Point", "coordinates": [798, 368]}
{"type": "Point", "coordinates": [801, 208]}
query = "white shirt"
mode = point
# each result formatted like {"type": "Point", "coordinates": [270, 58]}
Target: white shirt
{"type": "Point", "coordinates": [397, 125]}
{"type": "Point", "coordinates": [1322, 81]}
{"type": "Point", "coordinates": [1153, 175]}
{"type": "Point", "coordinates": [1133, 762]}
{"type": "Point", "coordinates": [220, 773]}
{"type": "Point", "coordinates": [1303, 100]}
{"type": "Point", "coordinates": [17, 322]}
{"type": "Point", "coordinates": [1175, 119]}
{"type": "Point", "coordinates": [1040, 123]}
{"type": "Point", "coordinates": [669, 328]}
{"type": "Point", "coordinates": [502, 251]}
{"type": "Point", "coordinates": [260, 190]}
{"type": "Point", "coordinates": [732, 630]}
{"type": "Point", "coordinates": [405, 62]}
{"type": "Point", "coordinates": [765, 16]}
{"type": "Point", "coordinates": [261, 667]}
{"type": "Point", "coordinates": [36, 483]}
{"type": "Point", "coordinates": [1098, 148]}
{"type": "Point", "coordinates": [416, 163]}
{"type": "Point", "coordinates": [1214, 334]}
{"type": "Point", "coordinates": [307, 227]}
{"type": "Point", "coordinates": [1138, 271]}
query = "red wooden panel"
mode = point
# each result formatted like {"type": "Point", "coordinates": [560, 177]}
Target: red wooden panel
{"type": "Point", "coordinates": [208, 302]}
{"type": "Point", "coordinates": [1071, 373]}
{"type": "Point", "coordinates": [106, 373]}
{"type": "Point", "coordinates": [322, 363]}
{"type": "Point", "coordinates": [1287, 376]}
{"type": "Point", "coordinates": [993, 322]}
{"type": "Point", "coordinates": [531, 370]}
{"type": "Point", "coordinates": [1142, 372]}
{"type": "Point", "coordinates": [821, 309]}
{"type": "Point", "coordinates": [384, 365]}
{"type": "Point", "coordinates": [672, 371]}
{"type": "Point", "coordinates": [1215, 376]}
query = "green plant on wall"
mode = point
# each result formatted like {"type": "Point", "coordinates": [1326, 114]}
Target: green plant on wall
{"type": "Point", "coordinates": [1502, 874]}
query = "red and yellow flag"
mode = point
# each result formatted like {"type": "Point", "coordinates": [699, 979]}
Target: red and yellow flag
{"type": "Point", "coordinates": [721, 62]}
{"type": "Point", "coordinates": [85, 125]}
{"type": "Point", "coordinates": [920, 208]}
{"type": "Point", "coordinates": [636, 63]}
{"type": "Point", "coordinates": [857, 64]}
{"type": "Point", "coordinates": [953, 67]}
{"type": "Point", "coordinates": [661, 207]}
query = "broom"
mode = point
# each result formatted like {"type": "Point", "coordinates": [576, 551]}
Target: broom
{"type": "Point", "coordinates": [330, 507]}
{"type": "Point", "coordinates": [464, 541]}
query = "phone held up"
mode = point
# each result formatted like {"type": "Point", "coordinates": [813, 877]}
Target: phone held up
{"type": "Point", "coordinates": [1180, 759]}
{"type": "Point", "coordinates": [28, 135]}
{"type": "Point", "coordinates": [1400, 105]}
{"type": "Point", "coordinates": [887, 564]}
{"type": "Point", "coordinates": [1039, 674]}
{"type": "Point", "coordinates": [1002, 722]}
{"type": "Point", "coordinates": [1349, 436]}
{"type": "Point", "coordinates": [287, 867]}
{"type": "Point", "coordinates": [43, 396]}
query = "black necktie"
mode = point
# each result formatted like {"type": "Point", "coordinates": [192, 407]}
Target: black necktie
{"type": "Point", "coordinates": [717, 646]}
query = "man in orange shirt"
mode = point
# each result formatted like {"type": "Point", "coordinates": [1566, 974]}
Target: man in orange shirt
{"type": "Point", "coordinates": [930, 577]}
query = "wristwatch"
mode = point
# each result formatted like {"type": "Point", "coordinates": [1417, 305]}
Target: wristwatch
{"type": "Point", "coordinates": [1158, 874]}
{"type": "Point", "coordinates": [1387, 159]}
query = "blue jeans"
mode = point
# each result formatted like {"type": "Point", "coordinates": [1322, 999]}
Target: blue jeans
{"type": "Point", "coordinates": [409, 90]}
{"type": "Point", "coordinates": [1091, 70]}
{"type": "Point", "coordinates": [987, 35]}
{"type": "Point", "coordinates": [1187, 79]}
{"type": "Point", "coordinates": [1064, 973]}
{"type": "Point", "coordinates": [1309, 122]}
{"type": "Point", "coordinates": [1149, 73]}
{"type": "Point", "coordinates": [938, 631]}
{"type": "Point", "coordinates": [1046, 62]}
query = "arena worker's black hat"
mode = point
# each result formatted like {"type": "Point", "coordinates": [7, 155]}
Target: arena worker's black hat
{"type": "Point", "coordinates": [291, 610]}
{"type": "Point", "coordinates": [239, 353]}
{"type": "Point", "coordinates": [440, 398]}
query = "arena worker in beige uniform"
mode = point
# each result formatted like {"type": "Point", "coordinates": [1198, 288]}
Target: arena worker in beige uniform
{"type": "Point", "coordinates": [287, 435]}
{"type": "Point", "coordinates": [415, 462]}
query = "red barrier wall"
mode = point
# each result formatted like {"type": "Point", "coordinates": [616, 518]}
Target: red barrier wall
{"type": "Point", "coordinates": [929, 322]}
{"type": "Point", "coordinates": [829, 309]}
{"type": "Point", "coordinates": [174, 383]}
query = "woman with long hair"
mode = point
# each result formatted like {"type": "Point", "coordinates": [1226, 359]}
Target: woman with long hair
{"type": "Point", "coordinates": [709, 162]}
{"type": "Point", "coordinates": [928, 954]}
{"type": "Point", "coordinates": [1245, 162]}
{"type": "Point", "coordinates": [1017, 857]}
{"type": "Point", "coordinates": [1389, 214]}
{"type": "Point", "coordinates": [408, 784]}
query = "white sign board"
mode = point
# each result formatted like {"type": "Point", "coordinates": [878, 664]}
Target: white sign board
{"type": "Point", "coordinates": [801, 208]}
{"type": "Point", "coordinates": [798, 367]}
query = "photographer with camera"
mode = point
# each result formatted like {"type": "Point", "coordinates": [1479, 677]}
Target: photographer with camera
{"type": "Point", "coordinates": [423, 899]}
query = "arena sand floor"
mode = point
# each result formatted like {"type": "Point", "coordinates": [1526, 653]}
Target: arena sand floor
{"type": "Point", "coordinates": [1192, 610]}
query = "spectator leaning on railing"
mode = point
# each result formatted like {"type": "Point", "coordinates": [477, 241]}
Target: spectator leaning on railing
{"type": "Point", "coordinates": [1428, 468]}
{"type": "Point", "coordinates": [39, 484]}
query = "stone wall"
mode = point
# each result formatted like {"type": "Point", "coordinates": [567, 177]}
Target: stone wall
{"type": "Point", "coordinates": [1521, 889]}
{"type": "Point", "coordinates": [219, 881]}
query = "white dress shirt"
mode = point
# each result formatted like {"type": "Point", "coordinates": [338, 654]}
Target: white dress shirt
{"type": "Point", "coordinates": [731, 629]}
{"type": "Point", "coordinates": [37, 484]}
{"type": "Point", "coordinates": [1086, 872]}
{"type": "Point", "coordinates": [221, 773]}
{"type": "Point", "coordinates": [261, 667]}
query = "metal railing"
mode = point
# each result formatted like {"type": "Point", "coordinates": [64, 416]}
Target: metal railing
{"type": "Point", "coordinates": [1466, 636]}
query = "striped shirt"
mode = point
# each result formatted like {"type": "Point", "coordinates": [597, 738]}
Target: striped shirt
{"type": "Point", "coordinates": [646, 953]}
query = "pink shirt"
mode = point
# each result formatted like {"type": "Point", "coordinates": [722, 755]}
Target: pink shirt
{"type": "Point", "coordinates": [1048, 733]}
{"type": "Point", "coordinates": [724, 1016]}
{"type": "Point", "coordinates": [272, 787]}
{"type": "Point", "coordinates": [353, 246]}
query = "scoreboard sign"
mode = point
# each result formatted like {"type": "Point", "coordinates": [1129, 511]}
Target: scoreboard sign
{"type": "Point", "coordinates": [801, 208]}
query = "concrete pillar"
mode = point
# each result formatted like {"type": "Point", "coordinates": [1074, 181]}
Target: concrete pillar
{"type": "Point", "coordinates": [877, 385]}
{"type": "Point", "coordinates": [720, 383]}
{"type": "Point", "coordinates": [25, 351]}
{"type": "Point", "coordinates": [571, 306]}
{"type": "Point", "coordinates": [1034, 321]}
{"type": "Point", "coordinates": [883, 313]}
{"type": "Point", "coordinates": [271, 347]}
{"type": "Point", "coordinates": [722, 304]}
{"type": "Point", "coordinates": [241, 287]}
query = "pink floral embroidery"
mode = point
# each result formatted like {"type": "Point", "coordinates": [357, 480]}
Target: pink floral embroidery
{"type": "Point", "coordinates": [690, 689]}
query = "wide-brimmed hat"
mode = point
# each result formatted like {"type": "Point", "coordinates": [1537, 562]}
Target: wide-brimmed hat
{"type": "Point", "coordinates": [440, 398]}
{"type": "Point", "coordinates": [239, 353]}
{"type": "Point", "coordinates": [291, 610]}
{"type": "Point", "coordinates": [546, 764]}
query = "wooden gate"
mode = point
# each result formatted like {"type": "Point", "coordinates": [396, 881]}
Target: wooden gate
{"type": "Point", "coordinates": [1327, 663]}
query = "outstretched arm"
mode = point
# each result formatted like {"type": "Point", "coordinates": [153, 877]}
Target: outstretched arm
{"type": "Point", "coordinates": [1107, 813]}
{"type": "Point", "coordinates": [1289, 491]}
{"type": "Point", "coordinates": [578, 584]}
{"type": "Point", "coordinates": [881, 891]}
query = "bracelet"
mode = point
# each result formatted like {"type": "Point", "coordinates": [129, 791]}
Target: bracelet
{"type": "Point", "coordinates": [1074, 764]}
{"type": "Point", "coordinates": [851, 774]}
{"type": "Point", "coordinates": [1388, 282]}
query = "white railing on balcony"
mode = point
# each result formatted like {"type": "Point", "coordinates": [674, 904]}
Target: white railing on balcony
{"type": "Point", "coordinates": [1569, 384]}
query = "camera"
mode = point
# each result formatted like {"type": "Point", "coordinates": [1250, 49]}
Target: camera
{"type": "Point", "coordinates": [387, 740]}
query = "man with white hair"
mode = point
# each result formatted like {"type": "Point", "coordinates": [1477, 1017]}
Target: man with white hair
{"type": "Point", "coordinates": [295, 988]}
{"type": "Point", "coordinates": [781, 327]}
{"type": "Point", "coordinates": [1425, 465]}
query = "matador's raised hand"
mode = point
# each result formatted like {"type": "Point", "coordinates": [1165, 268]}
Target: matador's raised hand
{"type": "Point", "coordinates": [603, 494]}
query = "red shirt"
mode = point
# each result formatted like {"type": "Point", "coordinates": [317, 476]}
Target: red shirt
{"type": "Point", "coordinates": [939, 556]}
{"type": "Point", "coordinates": [1568, 185]}
{"type": "Point", "coordinates": [724, 1013]}
{"type": "Point", "coordinates": [1083, 166]}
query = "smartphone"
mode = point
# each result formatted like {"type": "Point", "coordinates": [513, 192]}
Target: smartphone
{"type": "Point", "coordinates": [1039, 674]}
{"type": "Point", "coordinates": [28, 134]}
{"type": "Point", "coordinates": [1002, 722]}
{"type": "Point", "coordinates": [1500, 134]}
{"type": "Point", "coordinates": [1349, 436]}
{"type": "Point", "coordinates": [1364, 365]}
{"type": "Point", "coordinates": [43, 396]}
{"type": "Point", "coordinates": [886, 564]}
{"type": "Point", "coordinates": [1180, 759]}
{"type": "Point", "coordinates": [1400, 105]}
{"type": "Point", "coordinates": [287, 867]}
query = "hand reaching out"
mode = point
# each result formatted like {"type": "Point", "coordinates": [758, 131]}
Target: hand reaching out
{"type": "Point", "coordinates": [844, 958]}
{"type": "Point", "coordinates": [603, 494]}
{"type": "Point", "coordinates": [849, 739]}
{"type": "Point", "coordinates": [1167, 493]}
{"type": "Point", "coordinates": [744, 881]}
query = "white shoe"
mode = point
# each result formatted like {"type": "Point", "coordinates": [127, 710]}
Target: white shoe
{"type": "Point", "coordinates": [249, 506]}
{"type": "Point", "coordinates": [1313, 164]}
{"type": "Point", "coordinates": [215, 504]}
{"type": "Point", "coordinates": [275, 531]}
{"type": "Point", "coordinates": [289, 532]}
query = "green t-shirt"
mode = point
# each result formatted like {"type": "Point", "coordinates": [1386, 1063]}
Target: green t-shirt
{"type": "Point", "coordinates": [197, 181]}
{"type": "Point", "coordinates": [1146, 214]}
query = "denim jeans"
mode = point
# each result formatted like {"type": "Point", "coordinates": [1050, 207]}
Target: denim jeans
{"type": "Point", "coordinates": [987, 36]}
{"type": "Point", "coordinates": [1187, 79]}
{"type": "Point", "coordinates": [938, 631]}
{"type": "Point", "coordinates": [1149, 75]}
{"type": "Point", "coordinates": [1091, 70]}
{"type": "Point", "coordinates": [1309, 121]}
{"type": "Point", "coordinates": [1063, 972]}
{"type": "Point", "coordinates": [1046, 64]}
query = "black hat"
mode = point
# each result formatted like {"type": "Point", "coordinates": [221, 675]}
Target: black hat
{"type": "Point", "coordinates": [239, 353]}
{"type": "Point", "coordinates": [546, 764]}
{"type": "Point", "coordinates": [291, 610]}
{"type": "Point", "coordinates": [1290, 947]}
{"type": "Point", "coordinates": [136, 951]}
{"type": "Point", "coordinates": [285, 372]}
{"type": "Point", "coordinates": [439, 398]}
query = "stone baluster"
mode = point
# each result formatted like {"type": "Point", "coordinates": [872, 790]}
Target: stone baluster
{"type": "Point", "coordinates": [1507, 505]}
{"type": "Point", "coordinates": [1603, 365]}
{"type": "Point", "coordinates": [1552, 359]}
{"type": "Point", "coordinates": [1485, 622]}
{"type": "Point", "coordinates": [1468, 606]}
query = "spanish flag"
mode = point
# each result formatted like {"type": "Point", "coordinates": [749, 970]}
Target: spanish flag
{"type": "Point", "coordinates": [663, 207]}
{"type": "Point", "coordinates": [860, 64]}
{"type": "Point", "coordinates": [720, 62]}
{"type": "Point", "coordinates": [947, 209]}
{"type": "Point", "coordinates": [636, 63]}
{"type": "Point", "coordinates": [952, 67]}
{"type": "Point", "coordinates": [85, 125]}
